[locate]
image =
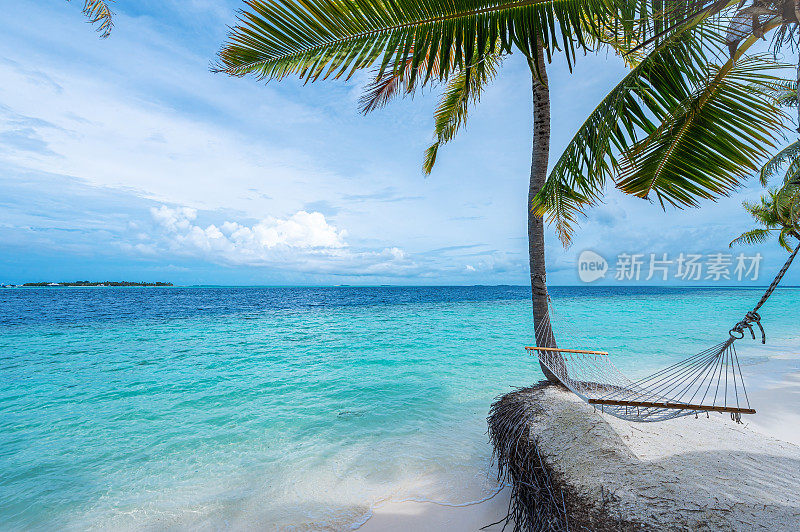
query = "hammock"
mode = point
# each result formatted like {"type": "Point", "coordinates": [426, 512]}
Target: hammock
{"type": "Point", "coordinates": [710, 381]}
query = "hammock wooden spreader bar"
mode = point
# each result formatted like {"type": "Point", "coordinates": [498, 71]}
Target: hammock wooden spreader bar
{"type": "Point", "coordinates": [558, 350]}
{"type": "Point", "coordinates": [677, 406]}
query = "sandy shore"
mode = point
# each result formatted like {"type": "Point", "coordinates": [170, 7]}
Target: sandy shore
{"type": "Point", "coordinates": [704, 473]}
{"type": "Point", "coordinates": [403, 516]}
{"type": "Point", "coordinates": [774, 386]}
{"type": "Point", "coordinates": [774, 389]}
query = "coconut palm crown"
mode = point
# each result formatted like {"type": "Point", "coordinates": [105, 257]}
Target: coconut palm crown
{"type": "Point", "coordinates": [778, 214]}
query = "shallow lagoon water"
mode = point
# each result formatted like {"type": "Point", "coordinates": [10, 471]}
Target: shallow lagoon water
{"type": "Point", "coordinates": [219, 407]}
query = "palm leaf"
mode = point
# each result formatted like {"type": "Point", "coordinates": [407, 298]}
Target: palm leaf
{"type": "Point", "coordinates": [99, 12]}
{"type": "Point", "coordinates": [783, 240]}
{"type": "Point", "coordinates": [749, 238]}
{"type": "Point", "coordinates": [792, 176]}
{"type": "Point", "coordinates": [663, 21]}
{"type": "Point", "coordinates": [661, 80]}
{"type": "Point", "coordinates": [786, 201]}
{"type": "Point", "coordinates": [709, 143]}
{"type": "Point", "coordinates": [320, 38]}
{"type": "Point", "coordinates": [784, 92]}
{"type": "Point", "coordinates": [777, 210]}
{"type": "Point", "coordinates": [777, 161]}
{"type": "Point", "coordinates": [462, 92]}
{"type": "Point", "coordinates": [648, 132]}
{"type": "Point", "coordinates": [388, 85]}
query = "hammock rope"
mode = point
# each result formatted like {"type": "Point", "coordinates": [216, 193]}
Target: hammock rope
{"type": "Point", "coordinates": [709, 381]}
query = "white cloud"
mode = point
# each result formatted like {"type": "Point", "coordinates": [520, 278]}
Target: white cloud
{"type": "Point", "coordinates": [302, 230]}
{"type": "Point", "coordinates": [304, 241]}
{"type": "Point", "coordinates": [174, 220]}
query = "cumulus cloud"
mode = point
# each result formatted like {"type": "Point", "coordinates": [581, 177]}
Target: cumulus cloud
{"type": "Point", "coordinates": [304, 241]}
{"type": "Point", "coordinates": [301, 230]}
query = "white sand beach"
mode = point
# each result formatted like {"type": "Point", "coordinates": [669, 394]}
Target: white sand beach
{"type": "Point", "coordinates": [774, 432]}
{"type": "Point", "coordinates": [776, 397]}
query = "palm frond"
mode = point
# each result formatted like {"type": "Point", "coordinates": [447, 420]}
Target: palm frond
{"type": "Point", "coordinates": [777, 211]}
{"type": "Point", "coordinates": [662, 21]}
{"type": "Point", "coordinates": [764, 211]}
{"type": "Point", "coordinates": [660, 80]}
{"type": "Point", "coordinates": [786, 204]}
{"type": "Point", "coordinates": [709, 143]}
{"type": "Point", "coordinates": [676, 126]}
{"type": "Point", "coordinates": [789, 154]}
{"type": "Point", "coordinates": [792, 176]}
{"type": "Point", "coordinates": [783, 91]}
{"type": "Point", "coordinates": [564, 205]}
{"type": "Point", "coordinates": [749, 238]}
{"type": "Point", "coordinates": [321, 38]}
{"type": "Point", "coordinates": [389, 85]}
{"type": "Point", "coordinates": [786, 34]}
{"type": "Point", "coordinates": [463, 91]}
{"type": "Point", "coordinates": [99, 12]}
{"type": "Point", "coordinates": [784, 241]}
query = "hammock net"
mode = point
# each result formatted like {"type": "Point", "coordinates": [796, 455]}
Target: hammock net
{"type": "Point", "coordinates": [709, 381]}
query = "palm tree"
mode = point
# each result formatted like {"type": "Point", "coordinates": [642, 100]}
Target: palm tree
{"type": "Point", "coordinates": [416, 43]}
{"type": "Point", "coordinates": [778, 212]}
{"type": "Point", "coordinates": [99, 12]}
{"type": "Point", "coordinates": [784, 93]}
{"type": "Point", "coordinates": [691, 120]}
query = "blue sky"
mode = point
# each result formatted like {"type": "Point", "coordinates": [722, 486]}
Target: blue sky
{"type": "Point", "coordinates": [126, 158]}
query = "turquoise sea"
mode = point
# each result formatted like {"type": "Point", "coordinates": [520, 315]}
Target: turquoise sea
{"type": "Point", "coordinates": [296, 408]}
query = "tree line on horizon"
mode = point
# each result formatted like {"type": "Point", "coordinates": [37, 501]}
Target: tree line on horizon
{"type": "Point", "coordinates": [97, 283]}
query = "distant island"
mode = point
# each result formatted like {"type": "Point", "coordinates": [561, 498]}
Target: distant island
{"type": "Point", "coordinates": [96, 283]}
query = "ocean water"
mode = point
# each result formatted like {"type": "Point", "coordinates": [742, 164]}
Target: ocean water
{"type": "Point", "coordinates": [297, 408]}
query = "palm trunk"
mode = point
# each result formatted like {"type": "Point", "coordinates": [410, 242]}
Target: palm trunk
{"type": "Point", "coordinates": [797, 87]}
{"type": "Point", "coordinates": [539, 159]}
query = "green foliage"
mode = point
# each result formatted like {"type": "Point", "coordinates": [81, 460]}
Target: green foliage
{"type": "Point", "coordinates": [778, 213]}
{"type": "Point", "coordinates": [99, 12]}
{"type": "Point", "coordinates": [462, 92]}
{"type": "Point", "coordinates": [316, 39]}
{"type": "Point", "coordinates": [791, 154]}
{"type": "Point", "coordinates": [709, 142]}
{"type": "Point", "coordinates": [783, 92]}
{"type": "Point", "coordinates": [685, 124]}
{"type": "Point", "coordinates": [388, 85]}
{"type": "Point", "coordinates": [579, 177]}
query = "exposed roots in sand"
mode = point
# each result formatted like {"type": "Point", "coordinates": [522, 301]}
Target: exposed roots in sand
{"type": "Point", "coordinates": [536, 503]}
{"type": "Point", "coordinates": [541, 501]}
